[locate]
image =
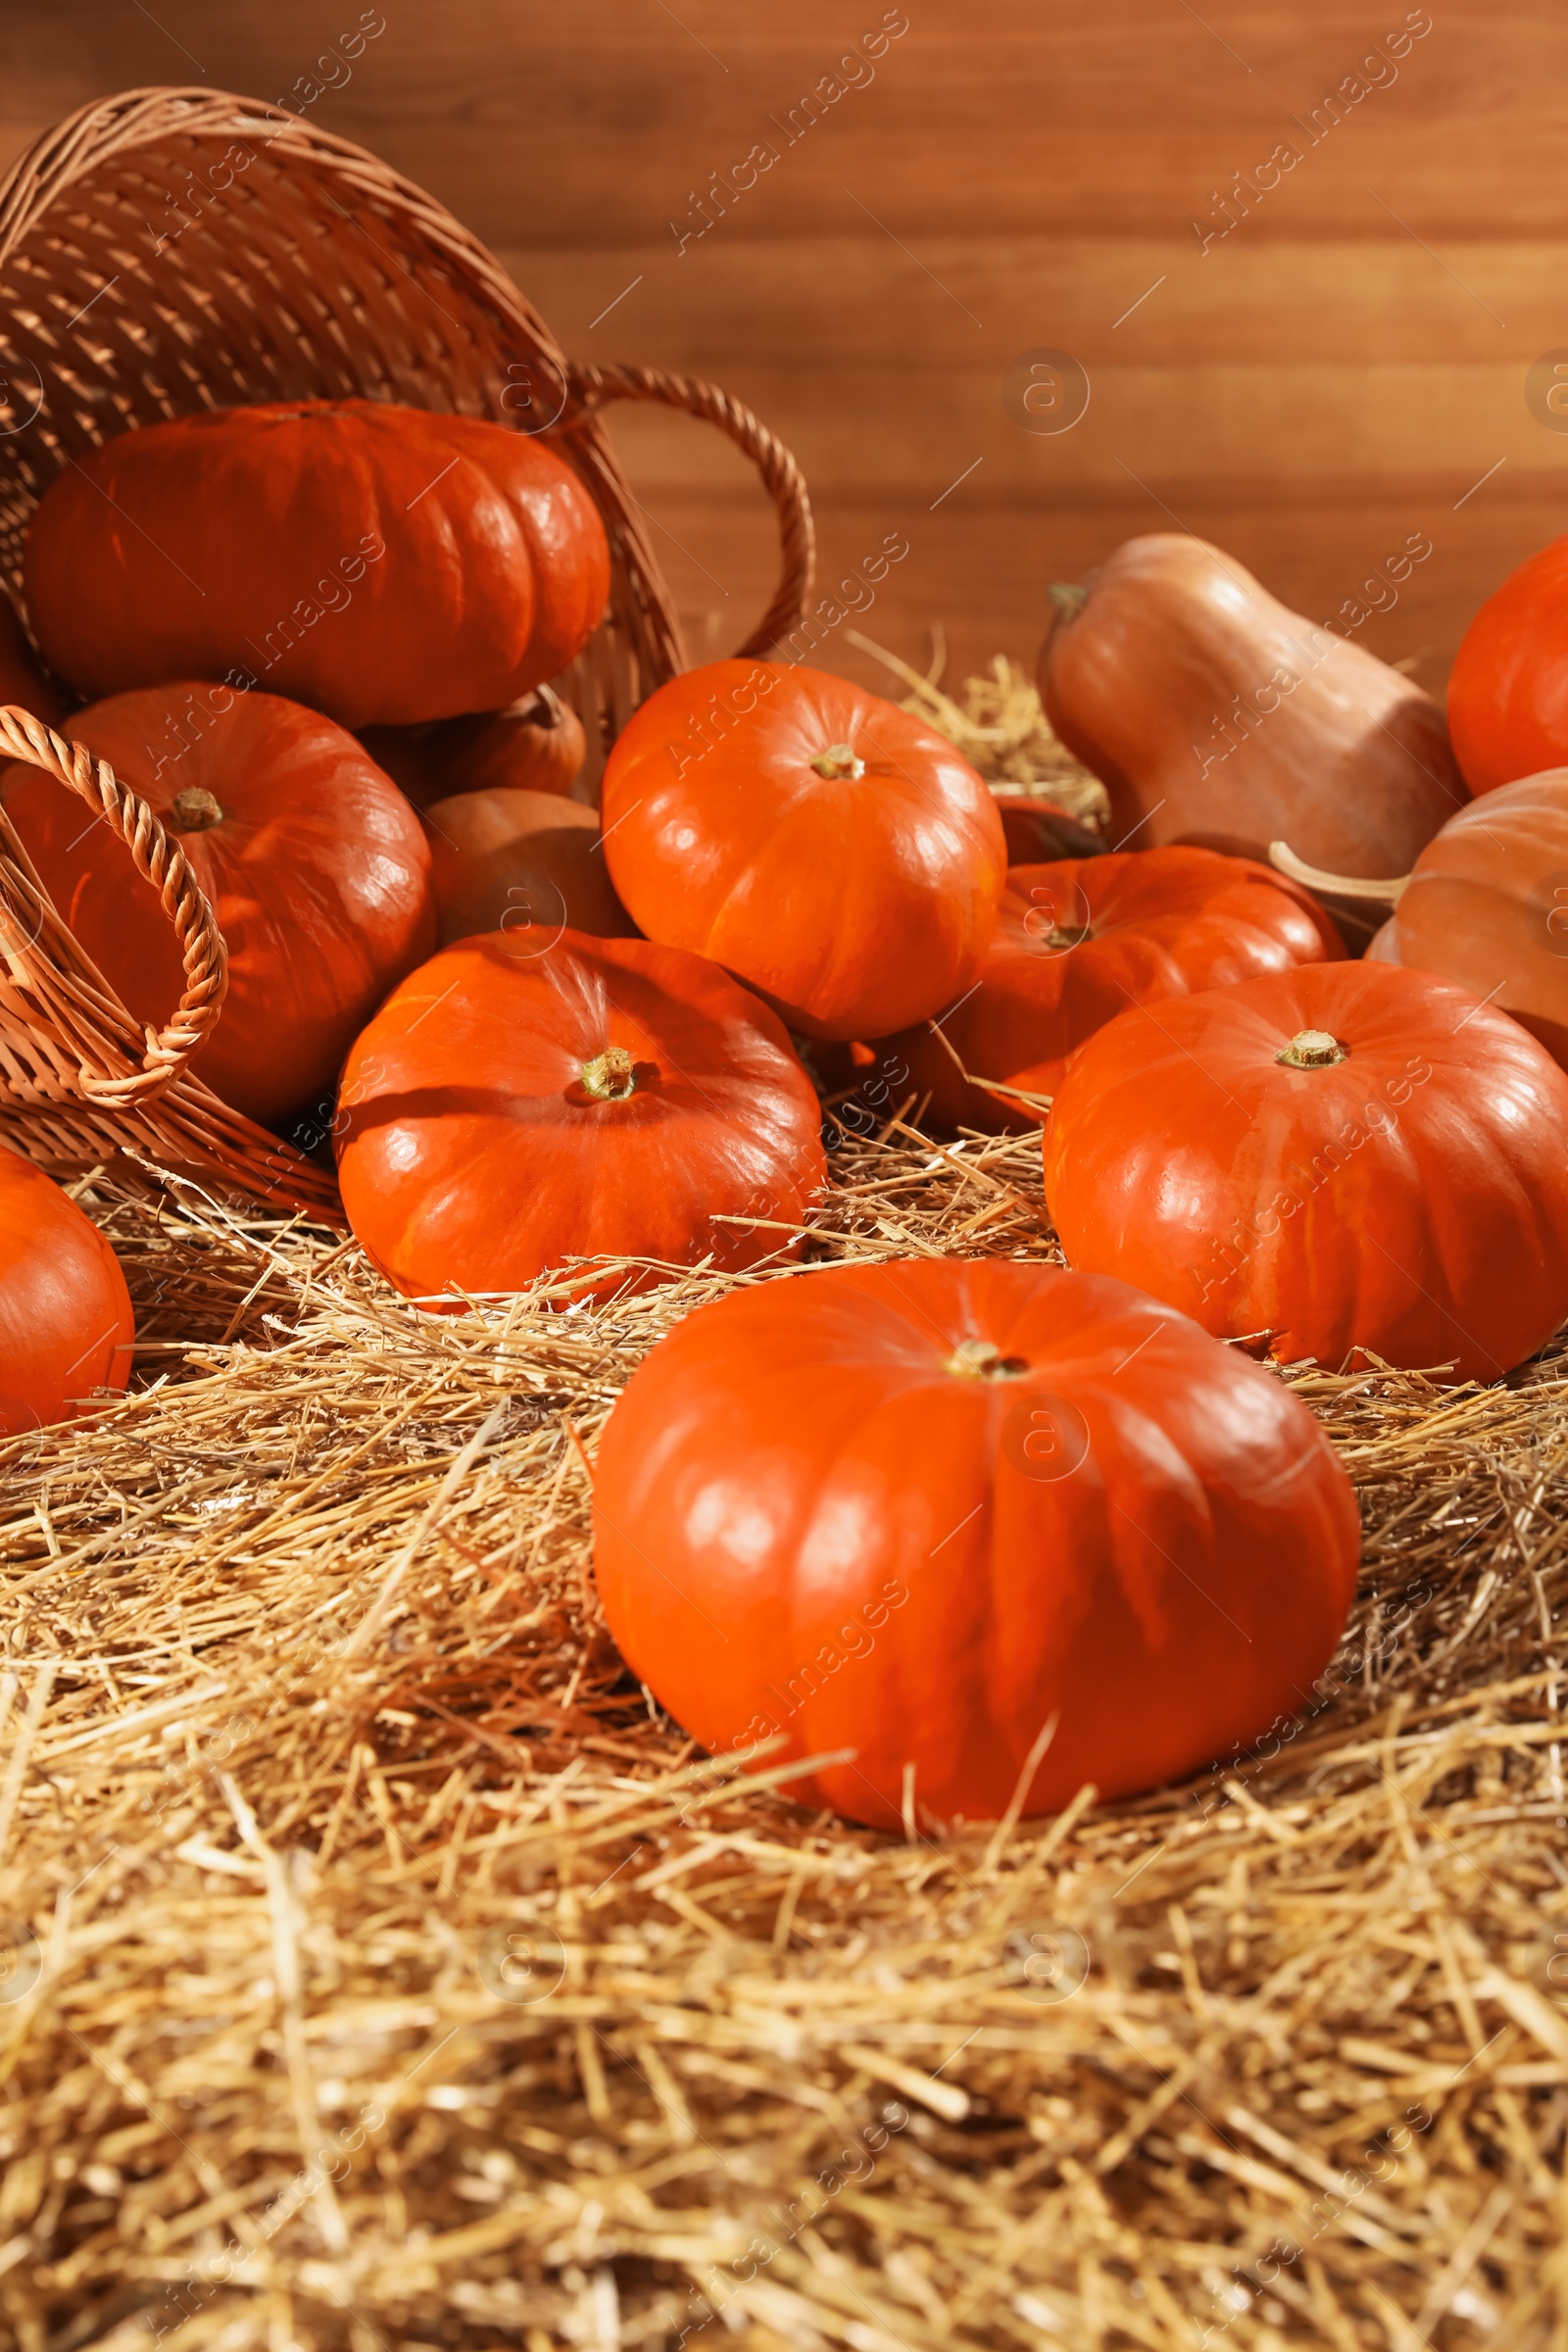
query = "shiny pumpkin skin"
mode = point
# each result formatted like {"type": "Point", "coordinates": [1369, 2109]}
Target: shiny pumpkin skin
{"type": "Point", "coordinates": [1508, 687]}
{"type": "Point", "coordinates": [381, 564]}
{"type": "Point", "coordinates": [23, 683]}
{"type": "Point", "coordinates": [1409, 1200]}
{"type": "Point", "coordinates": [805, 1520]}
{"type": "Point", "coordinates": [1159, 922]}
{"type": "Point", "coordinates": [854, 904]}
{"type": "Point", "coordinates": [473, 1156]}
{"type": "Point", "coordinates": [1351, 765]}
{"type": "Point", "coordinates": [65, 1323]}
{"type": "Point", "coordinates": [538, 745]}
{"type": "Point", "coordinates": [319, 874]}
{"type": "Point", "coordinates": [501, 858]}
{"type": "Point", "coordinates": [1487, 904]}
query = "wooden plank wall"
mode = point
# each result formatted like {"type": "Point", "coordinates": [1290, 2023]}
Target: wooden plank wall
{"type": "Point", "coordinates": [1305, 329]}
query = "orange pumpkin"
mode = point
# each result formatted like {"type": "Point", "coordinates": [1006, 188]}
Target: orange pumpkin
{"type": "Point", "coordinates": [1345, 1157]}
{"type": "Point", "coordinates": [834, 854]}
{"type": "Point", "coordinates": [931, 1511]}
{"type": "Point", "coordinates": [23, 683]}
{"type": "Point", "coordinates": [536, 746]}
{"type": "Point", "coordinates": [315, 864]}
{"type": "Point", "coordinates": [501, 858]}
{"type": "Point", "coordinates": [65, 1325]}
{"type": "Point", "coordinates": [1079, 941]}
{"type": "Point", "coordinates": [381, 564]}
{"type": "Point", "coordinates": [1508, 687]}
{"type": "Point", "coordinates": [532, 1098]}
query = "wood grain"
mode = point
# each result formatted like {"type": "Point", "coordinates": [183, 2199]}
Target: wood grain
{"type": "Point", "coordinates": [1345, 366]}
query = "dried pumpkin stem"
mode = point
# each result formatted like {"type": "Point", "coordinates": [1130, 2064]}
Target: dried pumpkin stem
{"type": "Point", "coordinates": [192, 811]}
{"type": "Point", "coordinates": [543, 708]}
{"type": "Point", "coordinates": [840, 760]}
{"type": "Point", "coordinates": [1312, 1050]}
{"type": "Point", "coordinates": [983, 1359]}
{"type": "Point", "coordinates": [1068, 596]}
{"type": "Point", "coordinates": [611, 1076]}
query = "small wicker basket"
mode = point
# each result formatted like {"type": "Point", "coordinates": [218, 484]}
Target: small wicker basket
{"type": "Point", "coordinates": [170, 251]}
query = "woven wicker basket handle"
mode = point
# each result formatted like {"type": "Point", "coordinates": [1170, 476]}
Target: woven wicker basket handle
{"type": "Point", "coordinates": [159, 861]}
{"type": "Point", "coordinates": [590, 388]}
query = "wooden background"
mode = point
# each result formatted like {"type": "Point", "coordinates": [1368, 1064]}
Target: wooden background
{"type": "Point", "coordinates": [1345, 368]}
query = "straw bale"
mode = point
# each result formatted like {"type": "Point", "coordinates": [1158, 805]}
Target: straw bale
{"type": "Point", "coordinates": [386, 1971]}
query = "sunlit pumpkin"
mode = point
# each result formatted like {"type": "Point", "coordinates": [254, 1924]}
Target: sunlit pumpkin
{"type": "Point", "coordinates": [65, 1325]}
{"type": "Point", "coordinates": [928, 1511]}
{"type": "Point", "coordinates": [314, 863]}
{"type": "Point", "coordinates": [381, 564]}
{"type": "Point", "coordinates": [1508, 687]}
{"type": "Point", "coordinates": [1350, 1158]}
{"type": "Point", "coordinates": [834, 853]}
{"type": "Point", "coordinates": [533, 1097]}
{"type": "Point", "coordinates": [1080, 940]}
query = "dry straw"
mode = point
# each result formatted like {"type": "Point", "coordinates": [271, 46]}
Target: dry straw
{"type": "Point", "coordinates": [999, 726]}
{"type": "Point", "coordinates": [386, 1972]}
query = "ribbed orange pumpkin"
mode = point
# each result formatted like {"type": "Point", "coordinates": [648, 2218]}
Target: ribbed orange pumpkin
{"type": "Point", "coordinates": [66, 1324]}
{"type": "Point", "coordinates": [314, 863]}
{"type": "Point", "coordinates": [381, 564]}
{"type": "Point", "coordinates": [1081, 939]}
{"type": "Point", "coordinates": [1343, 1157]}
{"type": "Point", "coordinates": [834, 854]}
{"type": "Point", "coordinates": [926, 1509]}
{"type": "Point", "coordinates": [533, 1097]}
{"type": "Point", "coordinates": [1508, 687]}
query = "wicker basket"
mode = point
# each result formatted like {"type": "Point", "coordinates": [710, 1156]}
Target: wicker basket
{"type": "Point", "coordinates": [171, 251]}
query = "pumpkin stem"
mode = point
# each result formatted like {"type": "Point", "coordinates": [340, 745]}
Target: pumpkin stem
{"type": "Point", "coordinates": [542, 709]}
{"type": "Point", "coordinates": [1067, 935]}
{"type": "Point", "coordinates": [1386, 892]}
{"type": "Point", "coordinates": [192, 811]}
{"type": "Point", "coordinates": [1312, 1050]}
{"type": "Point", "coordinates": [1068, 596]}
{"type": "Point", "coordinates": [611, 1076]}
{"type": "Point", "coordinates": [840, 760]}
{"type": "Point", "coordinates": [983, 1359]}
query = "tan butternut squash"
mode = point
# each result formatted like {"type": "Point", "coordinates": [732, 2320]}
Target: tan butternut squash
{"type": "Point", "coordinates": [1215, 716]}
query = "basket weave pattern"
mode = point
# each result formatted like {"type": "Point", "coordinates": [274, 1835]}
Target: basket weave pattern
{"type": "Point", "coordinates": [172, 251]}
